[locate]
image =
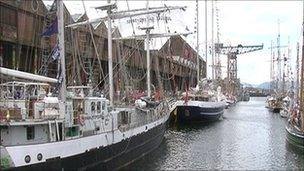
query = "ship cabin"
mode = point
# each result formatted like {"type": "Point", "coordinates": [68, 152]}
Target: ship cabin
{"type": "Point", "coordinates": [28, 114]}
{"type": "Point", "coordinates": [196, 97]}
{"type": "Point", "coordinates": [17, 100]}
{"type": "Point", "coordinates": [91, 114]}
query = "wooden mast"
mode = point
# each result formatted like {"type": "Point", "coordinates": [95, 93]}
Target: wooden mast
{"type": "Point", "coordinates": [110, 57]}
{"type": "Point", "coordinates": [148, 29]}
{"type": "Point", "coordinates": [206, 39]}
{"type": "Point", "coordinates": [197, 45]}
{"type": "Point", "coordinates": [62, 78]}
{"type": "Point", "coordinates": [302, 80]}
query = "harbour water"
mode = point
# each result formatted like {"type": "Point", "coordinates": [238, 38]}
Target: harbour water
{"type": "Point", "coordinates": [247, 137]}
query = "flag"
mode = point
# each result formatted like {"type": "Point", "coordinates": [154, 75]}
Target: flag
{"type": "Point", "coordinates": [55, 53]}
{"type": "Point", "coordinates": [59, 76]}
{"type": "Point", "coordinates": [52, 29]}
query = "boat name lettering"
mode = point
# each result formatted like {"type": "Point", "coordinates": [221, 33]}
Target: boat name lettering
{"type": "Point", "coordinates": [152, 19]}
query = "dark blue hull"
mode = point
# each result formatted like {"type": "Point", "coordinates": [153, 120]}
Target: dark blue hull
{"type": "Point", "coordinates": [112, 157]}
{"type": "Point", "coordinates": [192, 114]}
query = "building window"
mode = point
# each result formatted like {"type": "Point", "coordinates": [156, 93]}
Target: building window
{"type": "Point", "coordinates": [8, 16]}
{"type": "Point", "coordinates": [30, 133]}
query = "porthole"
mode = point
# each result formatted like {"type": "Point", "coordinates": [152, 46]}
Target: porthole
{"type": "Point", "coordinates": [27, 159]}
{"type": "Point", "coordinates": [39, 157]}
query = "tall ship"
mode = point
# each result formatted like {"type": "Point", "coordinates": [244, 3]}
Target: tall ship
{"type": "Point", "coordinates": [295, 124]}
{"type": "Point", "coordinates": [76, 127]}
{"type": "Point", "coordinates": [199, 104]}
{"type": "Point", "coordinates": [278, 101]}
{"type": "Point", "coordinates": [37, 134]}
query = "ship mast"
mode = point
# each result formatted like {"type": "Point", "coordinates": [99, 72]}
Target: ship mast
{"type": "Point", "coordinates": [212, 40]}
{"type": "Point", "coordinates": [197, 45]}
{"type": "Point", "coordinates": [278, 82]}
{"type": "Point", "coordinates": [302, 76]}
{"type": "Point", "coordinates": [148, 29]}
{"type": "Point", "coordinates": [218, 70]}
{"type": "Point", "coordinates": [147, 38]}
{"type": "Point", "coordinates": [297, 73]}
{"type": "Point", "coordinates": [283, 78]}
{"type": "Point", "coordinates": [110, 56]}
{"type": "Point", "coordinates": [271, 67]}
{"type": "Point", "coordinates": [61, 52]}
{"type": "Point", "coordinates": [206, 39]}
{"type": "Point", "coordinates": [119, 15]}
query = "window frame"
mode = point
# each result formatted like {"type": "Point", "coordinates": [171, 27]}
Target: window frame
{"type": "Point", "coordinates": [30, 132]}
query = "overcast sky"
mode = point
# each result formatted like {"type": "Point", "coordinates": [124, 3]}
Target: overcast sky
{"type": "Point", "coordinates": [241, 22]}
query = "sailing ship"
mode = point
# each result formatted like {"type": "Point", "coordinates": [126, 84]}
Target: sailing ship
{"type": "Point", "coordinates": [279, 100]}
{"type": "Point", "coordinates": [199, 104]}
{"type": "Point", "coordinates": [79, 129]}
{"type": "Point", "coordinates": [295, 124]}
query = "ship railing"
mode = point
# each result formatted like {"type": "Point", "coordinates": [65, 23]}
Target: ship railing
{"type": "Point", "coordinates": [8, 114]}
{"type": "Point", "coordinates": [18, 114]}
{"type": "Point", "coordinates": [146, 120]}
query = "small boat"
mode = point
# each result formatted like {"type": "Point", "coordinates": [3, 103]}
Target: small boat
{"type": "Point", "coordinates": [246, 97]}
{"type": "Point", "coordinates": [273, 104]}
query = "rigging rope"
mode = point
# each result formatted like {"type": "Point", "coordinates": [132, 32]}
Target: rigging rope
{"type": "Point", "coordinates": [94, 44]}
{"type": "Point", "coordinates": [130, 18]}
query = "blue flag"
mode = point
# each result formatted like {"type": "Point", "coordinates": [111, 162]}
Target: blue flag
{"type": "Point", "coordinates": [55, 53]}
{"type": "Point", "coordinates": [52, 29]}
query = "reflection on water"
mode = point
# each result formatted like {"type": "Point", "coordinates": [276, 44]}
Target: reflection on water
{"type": "Point", "coordinates": [248, 137]}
